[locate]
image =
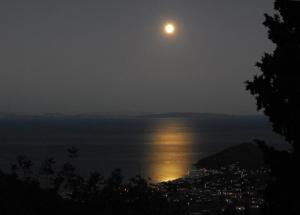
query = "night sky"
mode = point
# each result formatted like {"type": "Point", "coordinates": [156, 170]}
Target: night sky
{"type": "Point", "coordinates": [111, 55]}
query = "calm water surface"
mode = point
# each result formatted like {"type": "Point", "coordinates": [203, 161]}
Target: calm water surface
{"type": "Point", "coordinates": [171, 151]}
{"type": "Point", "coordinates": [160, 148]}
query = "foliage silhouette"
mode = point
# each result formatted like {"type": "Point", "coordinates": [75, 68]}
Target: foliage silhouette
{"type": "Point", "coordinates": [277, 88]}
{"type": "Point", "coordinates": [64, 191]}
{"type": "Point", "coordinates": [277, 92]}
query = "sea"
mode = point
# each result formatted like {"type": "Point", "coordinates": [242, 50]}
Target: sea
{"type": "Point", "coordinates": [160, 148]}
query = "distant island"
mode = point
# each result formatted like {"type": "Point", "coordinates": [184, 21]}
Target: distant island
{"type": "Point", "coordinates": [198, 115]}
{"type": "Point", "coordinates": [122, 115]}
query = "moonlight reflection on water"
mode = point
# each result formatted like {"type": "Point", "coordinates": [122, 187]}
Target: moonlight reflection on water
{"type": "Point", "coordinates": [169, 154]}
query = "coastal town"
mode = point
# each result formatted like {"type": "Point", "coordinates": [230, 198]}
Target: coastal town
{"type": "Point", "coordinates": [226, 190]}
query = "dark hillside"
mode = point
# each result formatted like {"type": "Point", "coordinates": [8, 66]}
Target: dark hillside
{"type": "Point", "coordinates": [248, 155]}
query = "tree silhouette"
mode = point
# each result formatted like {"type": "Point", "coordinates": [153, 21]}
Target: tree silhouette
{"type": "Point", "coordinates": [64, 191]}
{"type": "Point", "coordinates": [277, 87]}
{"type": "Point", "coordinates": [277, 92]}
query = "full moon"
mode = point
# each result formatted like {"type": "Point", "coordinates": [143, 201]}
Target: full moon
{"type": "Point", "coordinates": [169, 28]}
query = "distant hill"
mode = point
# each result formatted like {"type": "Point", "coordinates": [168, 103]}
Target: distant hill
{"type": "Point", "coordinates": [199, 115]}
{"type": "Point", "coordinates": [209, 116]}
{"type": "Point", "coordinates": [248, 155]}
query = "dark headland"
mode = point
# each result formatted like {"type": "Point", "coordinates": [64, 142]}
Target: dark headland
{"type": "Point", "coordinates": [246, 155]}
